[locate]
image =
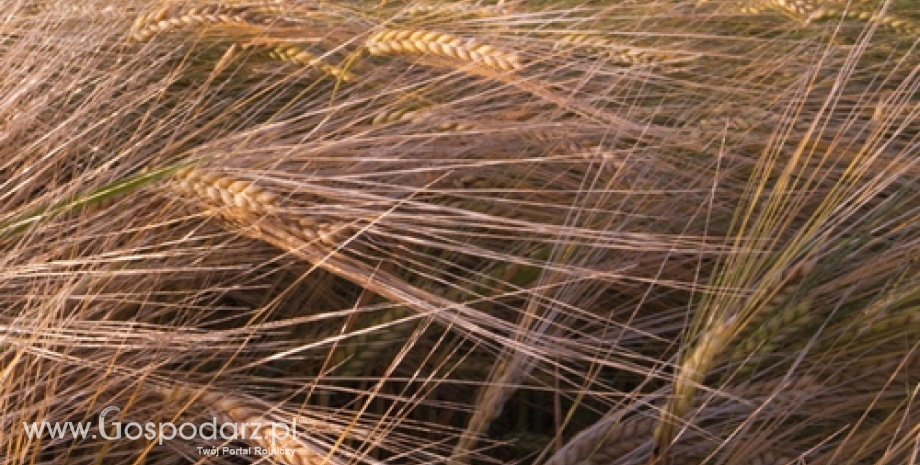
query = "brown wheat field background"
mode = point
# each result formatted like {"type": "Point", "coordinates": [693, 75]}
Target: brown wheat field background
{"type": "Point", "coordinates": [548, 232]}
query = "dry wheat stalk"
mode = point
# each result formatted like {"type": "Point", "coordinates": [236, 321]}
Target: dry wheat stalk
{"type": "Point", "coordinates": [150, 24]}
{"type": "Point", "coordinates": [291, 53]}
{"type": "Point", "coordinates": [415, 41]}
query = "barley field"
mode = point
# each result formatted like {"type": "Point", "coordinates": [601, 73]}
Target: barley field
{"type": "Point", "coordinates": [548, 232]}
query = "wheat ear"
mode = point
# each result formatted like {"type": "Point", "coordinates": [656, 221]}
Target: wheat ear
{"type": "Point", "coordinates": [620, 54]}
{"type": "Point", "coordinates": [295, 55]}
{"type": "Point", "coordinates": [457, 9]}
{"type": "Point", "coordinates": [892, 22]}
{"type": "Point", "coordinates": [397, 116]}
{"type": "Point", "coordinates": [692, 371]}
{"type": "Point", "coordinates": [489, 405]}
{"type": "Point", "coordinates": [151, 24]}
{"type": "Point", "coordinates": [757, 389]}
{"type": "Point", "coordinates": [362, 351]}
{"type": "Point", "coordinates": [418, 116]}
{"type": "Point", "coordinates": [606, 440]}
{"type": "Point", "coordinates": [368, 348]}
{"type": "Point", "coordinates": [622, 440]}
{"type": "Point", "coordinates": [772, 458]}
{"type": "Point", "coordinates": [773, 331]}
{"type": "Point", "coordinates": [414, 41]}
{"type": "Point", "coordinates": [904, 322]}
{"type": "Point", "coordinates": [776, 322]}
{"type": "Point", "coordinates": [513, 368]}
{"type": "Point", "coordinates": [229, 409]}
{"type": "Point", "coordinates": [742, 119]}
{"type": "Point", "coordinates": [248, 198]}
{"type": "Point", "coordinates": [583, 40]}
{"type": "Point", "coordinates": [799, 9]}
{"type": "Point", "coordinates": [712, 342]}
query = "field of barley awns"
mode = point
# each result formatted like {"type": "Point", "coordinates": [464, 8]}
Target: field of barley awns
{"type": "Point", "coordinates": [536, 232]}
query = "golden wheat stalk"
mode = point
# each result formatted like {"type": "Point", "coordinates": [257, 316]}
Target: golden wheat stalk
{"type": "Point", "coordinates": [415, 41]}
{"type": "Point", "coordinates": [246, 197]}
{"type": "Point", "coordinates": [220, 189]}
{"type": "Point", "coordinates": [583, 40]}
{"type": "Point", "coordinates": [150, 24]}
{"type": "Point", "coordinates": [398, 116]}
{"type": "Point", "coordinates": [291, 53]}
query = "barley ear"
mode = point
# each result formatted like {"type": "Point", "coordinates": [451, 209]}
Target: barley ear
{"type": "Point", "coordinates": [148, 25]}
{"type": "Point", "coordinates": [295, 55]}
{"type": "Point", "coordinates": [420, 42]}
{"type": "Point", "coordinates": [228, 409]}
{"type": "Point", "coordinates": [711, 343]}
{"type": "Point", "coordinates": [607, 440]}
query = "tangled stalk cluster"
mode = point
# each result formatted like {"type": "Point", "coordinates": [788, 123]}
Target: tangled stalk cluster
{"type": "Point", "coordinates": [547, 233]}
